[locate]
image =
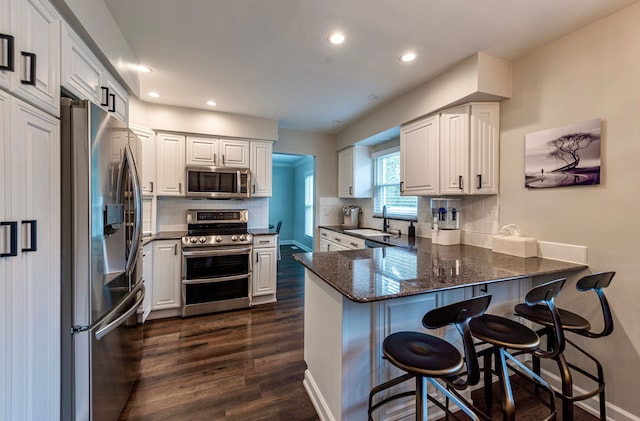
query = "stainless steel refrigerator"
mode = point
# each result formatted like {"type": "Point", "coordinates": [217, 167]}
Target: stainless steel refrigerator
{"type": "Point", "coordinates": [102, 285]}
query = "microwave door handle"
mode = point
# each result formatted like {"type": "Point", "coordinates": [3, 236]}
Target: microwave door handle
{"type": "Point", "coordinates": [238, 183]}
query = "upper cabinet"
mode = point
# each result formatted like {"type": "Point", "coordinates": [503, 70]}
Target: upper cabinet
{"type": "Point", "coordinates": [453, 152]}
{"type": "Point", "coordinates": [85, 77]}
{"type": "Point", "coordinates": [209, 151]}
{"type": "Point", "coordinates": [354, 172]}
{"type": "Point", "coordinates": [147, 160]}
{"type": "Point", "coordinates": [30, 46]}
{"type": "Point", "coordinates": [261, 168]}
{"type": "Point", "coordinates": [170, 161]}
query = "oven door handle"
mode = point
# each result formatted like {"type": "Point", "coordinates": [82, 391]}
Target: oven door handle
{"type": "Point", "coordinates": [209, 252]}
{"type": "Point", "coordinates": [211, 280]}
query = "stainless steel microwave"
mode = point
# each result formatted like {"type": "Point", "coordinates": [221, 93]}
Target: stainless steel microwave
{"type": "Point", "coordinates": [218, 182]}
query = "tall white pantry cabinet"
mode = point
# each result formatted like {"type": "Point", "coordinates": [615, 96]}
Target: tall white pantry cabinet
{"type": "Point", "coordinates": [29, 211]}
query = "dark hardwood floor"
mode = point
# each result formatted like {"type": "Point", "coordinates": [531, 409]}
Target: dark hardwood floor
{"type": "Point", "coordinates": [244, 365]}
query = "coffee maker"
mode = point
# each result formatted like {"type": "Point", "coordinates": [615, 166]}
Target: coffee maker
{"type": "Point", "coordinates": [350, 216]}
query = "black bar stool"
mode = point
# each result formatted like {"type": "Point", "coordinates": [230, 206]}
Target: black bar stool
{"type": "Point", "coordinates": [428, 358]}
{"type": "Point", "coordinates": [575, 323]}
{"type": "Point", "coordinates": [505, 334]}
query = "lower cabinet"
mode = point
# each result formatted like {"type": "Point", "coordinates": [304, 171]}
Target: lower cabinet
{"type": "Point", "coordinates": [147, 278]}
{"type": "Point", "coordinates": [264, 269]}
{"type": "Point", "coordinates": [335, 241]}
{"type": "Point", "coordinates": [166, 275]}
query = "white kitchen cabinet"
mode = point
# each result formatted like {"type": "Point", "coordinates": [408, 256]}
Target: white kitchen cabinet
{"type": "Point", "coordinates": [335, 241]}
{"type": "Point", "coordinates": [235, 153]}
{"type": "Point", "coordinates": [147, 160]}
{"type": "Point", "coordinates": [167, 265]}
{"type": "Point", "coordinates": [30, 280]}
{"type": "Point", "coordinates": [31, 30]}
{"type": "Point", "coordinates": [261, 168]}
{"type": "Point", "coordinates": [149, 210]}
{"type": "Point", "coordinates": [147, 278]}
{"type": "Point", "coordinates": [211, 151]}
{"type": "Point", "coordinates": [419, 157]}
{"type": "Point", "coordinates": [170, 170]}
{"type": "Point", "coordinates": [264, 269]}
{"type": "Point", "coordinates": [85, 77]}
{"type": "Point", "coordinates": [355, 172]}
{"type": "Point", "coordinates": [453, 152]}
{"type": "Point", "coordinates": [203, 151]}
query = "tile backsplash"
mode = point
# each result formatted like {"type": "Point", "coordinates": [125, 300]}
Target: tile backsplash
{"type": "Point", "coordinates": [479, 217]}
{"type": "Point", "coordinates": [172, 212]}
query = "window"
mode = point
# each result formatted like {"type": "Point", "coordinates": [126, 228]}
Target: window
{"type": "Point", "coordinates": [387, 188]}
{"type": "Point", "coordinates": [308, 205]}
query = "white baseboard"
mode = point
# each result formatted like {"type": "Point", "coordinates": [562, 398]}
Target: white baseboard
{"type": "Point", "coordinates": [316, 397]}
{"type": "Point", "coordinates": [592, 405]}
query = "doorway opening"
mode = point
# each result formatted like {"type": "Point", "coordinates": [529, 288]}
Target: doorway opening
{"type": "Point", "coordinates": [293, 199]}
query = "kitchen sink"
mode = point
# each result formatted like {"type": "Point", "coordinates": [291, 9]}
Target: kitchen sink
{"type": "Point", "coordinates": [365, 232]}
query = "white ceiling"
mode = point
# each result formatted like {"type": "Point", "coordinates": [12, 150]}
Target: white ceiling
{"type": "Point", "coordinates": [271, 58]}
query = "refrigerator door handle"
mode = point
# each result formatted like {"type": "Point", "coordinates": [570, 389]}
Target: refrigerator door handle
{"type": "Point", "coordinates": [129, 164]}
{"type": "Point", "coordinates": [111, 325]}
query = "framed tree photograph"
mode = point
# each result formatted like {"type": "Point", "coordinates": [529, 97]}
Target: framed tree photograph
{"type": "Point", "coordinates": [563, 156]}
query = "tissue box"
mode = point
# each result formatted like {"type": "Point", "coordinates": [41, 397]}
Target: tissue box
{"type": "Point", "coordinates": [515, 245]}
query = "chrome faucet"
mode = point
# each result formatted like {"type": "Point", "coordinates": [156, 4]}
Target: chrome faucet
{"type": "Point", "coordinates": [385, 221]}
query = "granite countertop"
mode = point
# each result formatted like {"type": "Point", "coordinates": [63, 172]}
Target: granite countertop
{"type": "Point", "coordinates": [262, 231]}
{"type": "Point", "coordinates": [389, 239]}
{"type": "Point", "coordinates": [163, 235]}
{"type": "Point", "coordinates": [392, 272]}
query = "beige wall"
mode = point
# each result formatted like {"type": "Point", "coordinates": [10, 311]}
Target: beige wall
{"type": "Point", "coordinates": [591, 73]}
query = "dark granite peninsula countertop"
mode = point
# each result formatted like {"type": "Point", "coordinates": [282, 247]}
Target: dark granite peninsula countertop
{"type": "Point", "coordinates": [388, 239]}
{"type": "Point", "coordinates": [391, 272]}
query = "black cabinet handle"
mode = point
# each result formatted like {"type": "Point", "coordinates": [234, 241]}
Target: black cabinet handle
{"type": "Point", "coordinates": [34, 236]}
{"type": "Point", "coordinates": [13, 235]}
{"type": "Point", "coordinates": [10, 66]}
{"type": "Point", "coordinates": [151, 186]}
{"type": "Point", "coordinates": [401, 186]}
{"type": "Point", "coordinates": [32, 68]}
{"type": "Point", "coordinates": [460, 182]}
{"type": "Point", "coordinates": [479, 181]}
{"type": "Point", "coordinates": [105, 96]}
{"type": "Point", "coordinates": [350, 191]}
{"type": "Point", "coordinates": [113, 103]}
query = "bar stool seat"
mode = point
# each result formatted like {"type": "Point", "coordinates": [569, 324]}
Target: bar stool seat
{"type": "Point", "coordinates": [541, 315]}
{"type": "Point", "coordinates": [500, 331]}
{"type": "Point", "coordinates": [422, 354]}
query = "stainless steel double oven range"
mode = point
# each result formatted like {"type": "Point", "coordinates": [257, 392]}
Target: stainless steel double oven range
{"type": "Point", "coordinates": [216, 261]}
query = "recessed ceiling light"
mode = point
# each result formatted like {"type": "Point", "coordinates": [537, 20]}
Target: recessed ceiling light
{"type": "Point", "coordinates": [336, 38]}
{"type": "Point", "coordinates": [211, 103]}
{"type": "Point", "coordinates": [154, 94]}
{"type": "Point", "coordinates": [337, 121]}
{"type": "Point", "coordinates": [407, 57]}
{"type": "Point", "coordinates": [373, 97]}
{"type": "Point", "coordinates": [141, 68]}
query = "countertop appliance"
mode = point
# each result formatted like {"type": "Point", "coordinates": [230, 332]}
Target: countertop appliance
{"type": "Point", "coordinates": [350, 216]}
{"type": "Point", "coordinates": [102, 285]}
{"type": "Point", "coordinates": [216, 261]}
{"type": "Point", "coordinates": [446, 215]}
{"type": "Point", "coordinates": [218, 182]}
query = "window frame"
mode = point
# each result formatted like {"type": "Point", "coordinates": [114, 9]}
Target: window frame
{"type": "Point", "coordinates": [377, 212]}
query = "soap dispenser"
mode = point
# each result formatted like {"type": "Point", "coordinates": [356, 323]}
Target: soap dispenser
{"type": "Point", "coordinates": [412, 231]}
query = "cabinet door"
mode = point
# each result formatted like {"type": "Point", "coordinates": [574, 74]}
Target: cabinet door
{"type": "Point", "coordinates": [166, 275]}
{"type": "Point", "coordinates": [235, 153]}
{"type": "Point", "coordinates": [33, 288]}
{"type": "Point", "coordinates": [485, 148]}
{"type": "Point", "coordinates": [81, 70]}
{"type": "Point", "coordinates": [261, 168]}
{"type": "Point", "coordinates": [345, 173]}
{"type": "Point", "coordinates": [117, 99]}
{"type": "Point", "coordinates": [264, 271]}
{"type": "Point", "coordinates": [203, 151]}
{"type": "Point", "coordinates": [148, 159]}
{"type": "Point", "coordinates": [5, 261]}
{"type": "Point", "coordinates": [5, 42]}
{"type": "Point", "coordinates": [170, 164]}
{"type": "Point", "coordinates": [420, 157]}
{"type": "Point", "coordinates": [147, 278]}
{"type": "Point", "coordinates": [148, 216]}
{"type": "Point", "coordinates": [36, 26]}
{"type": "Point", "coordinates": [454, 151]}
{"type": "Point", "coordinates": [325, 245]}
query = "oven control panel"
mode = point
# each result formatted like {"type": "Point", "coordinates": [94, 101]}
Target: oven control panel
{"type": "Point", "coordinates": [216, 240]}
